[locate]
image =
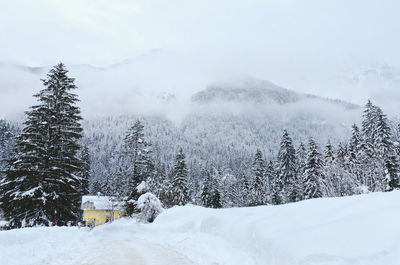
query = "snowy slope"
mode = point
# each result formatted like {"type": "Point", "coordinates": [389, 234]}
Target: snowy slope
{"type": "Point", "coordinates": [360, 230]}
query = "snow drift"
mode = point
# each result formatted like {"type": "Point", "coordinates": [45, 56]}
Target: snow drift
{"type": "Point", "coordinates": [361, 229]}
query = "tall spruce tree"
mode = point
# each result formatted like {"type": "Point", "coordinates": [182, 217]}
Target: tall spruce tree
{"type": "Point", "coordinates": [345, 178]}
{"type": "Point", "coordinates": [385, 151]}
{"type": "Point", "coordinates": [216, 198]}
{"type": "Point", "coordinates": [286, 168]}
{"type": "Point", "coordinates": [258, 169]}
{"type": "Point", "coordinates": [371, 166]}
{"type": "Point", "coordinates": [368, 128]}
{"type": "Point", "coordinates": [355, 143]}
{"type": "Point", "coordinates": [206, 192]}
{"type": "Point", "coordinates": [139, 164]}
{"type": "Point", "coordinates": [382, 142]}
{"type": "Point", "coordinates": [329, 153]}
{"type": "Point", "coordinates": [276, 194]}
{"type": "Point", "coordinates": [274, 185]}
{"type": "Point", "coordinates": [392, 172]}
{"type": "Point", "coordinates": [301, 155]}
{"type": "Point", "coordinates": [179, 180]}
{"type": "Point", "coordinates": [312, 172]}
{"type": "Point", "coordinates": [211, 195]}
{"type": "Point", "coordinates": [329, 180]}
{"type": "Point", "coordinates": [269, 179]}
{"type": "Point", "coordinates": [7, 141]}
{"type": "Point", "coordinates": [244, 190]}
{"type": "Point", "coordinates": [42, 184]}
{"type": "Point", "coordinates": [85, 171]}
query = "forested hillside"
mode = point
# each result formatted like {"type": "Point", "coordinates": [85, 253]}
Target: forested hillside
{"type": "Point", "coordinates": [224, 127]}
{"type": "Point", "coordinates": [237, 144]}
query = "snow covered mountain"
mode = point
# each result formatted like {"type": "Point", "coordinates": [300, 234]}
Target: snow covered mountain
{"type": "Point", "coordinates": [247, 91]}
{"type": "Point", "coordinates": [258, 92]}
{"type": "Point", "coordinates": [360, 229]}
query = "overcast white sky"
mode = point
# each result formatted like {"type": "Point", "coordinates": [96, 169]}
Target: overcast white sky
{"type": "Point", "coordinates": [300, 44]}
{"type": "Point", "coordinates": [102, 31]}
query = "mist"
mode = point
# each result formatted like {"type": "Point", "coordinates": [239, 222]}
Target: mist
{"type": "Point", "coordinates": [127, 56]}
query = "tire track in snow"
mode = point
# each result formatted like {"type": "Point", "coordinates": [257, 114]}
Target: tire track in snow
{"type": "Point", "coordinates": [135, 252]}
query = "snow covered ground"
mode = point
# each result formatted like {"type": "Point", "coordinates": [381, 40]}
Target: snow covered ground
{"type": "Point", "coordinates": [358, 230]}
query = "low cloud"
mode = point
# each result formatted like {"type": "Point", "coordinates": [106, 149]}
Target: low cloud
{"type": "Point", "coordinates": [143, 49]}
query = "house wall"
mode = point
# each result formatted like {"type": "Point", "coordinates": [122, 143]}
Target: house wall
{"type": "Point", "coordinates": [99, 217]}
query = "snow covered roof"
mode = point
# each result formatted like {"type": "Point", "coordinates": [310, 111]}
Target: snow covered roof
{"type": "Point", "coordinates": [90, 202]}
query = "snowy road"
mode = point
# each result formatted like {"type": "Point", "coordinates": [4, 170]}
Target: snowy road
{"type": "Point", "coordinates": [135, 252]}
{"type": "Point", "coordinates": [334, 231]}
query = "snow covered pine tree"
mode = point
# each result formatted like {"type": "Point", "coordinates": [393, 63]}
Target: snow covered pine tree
{"type": "Point", "coordinates": [206, 191]}
{"type": "Point", "coordinates": [42, 184]}
{"type": "Point", "coordinates": [85, 171]}
{"type": "Point", "coordinates": [258, 168]}
{"type": "Point", "coordinates": [140, 165]}
{"type": "Point", "coordinates": [149, 206]}
{"type": "Point", "coordinates": [312, 172]}
{"type": "Point", "coordinates": [286, 169]}
{"type": "Point", "coordinates": [179, 180]}
{"type": "Point", "coordinates": [7, 135]}
{"type": "Point", "coordinates": [7, 140]}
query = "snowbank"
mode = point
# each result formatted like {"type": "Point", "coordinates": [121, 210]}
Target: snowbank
{"type": "Point", "coordinates": [149, 206]}
{"type": "Point", "coordinates": [361, 230]}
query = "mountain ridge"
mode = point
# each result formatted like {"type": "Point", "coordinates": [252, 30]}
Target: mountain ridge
{"type": "Point", "coordinates": [257, 91]}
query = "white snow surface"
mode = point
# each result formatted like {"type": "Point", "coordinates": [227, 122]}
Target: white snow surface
{"type": "Point", "coordinates": [150, 207]}
{"type": "Point", "coordinates": [142, 187]}
{"type": "Point", "coordinates": [357, 230]}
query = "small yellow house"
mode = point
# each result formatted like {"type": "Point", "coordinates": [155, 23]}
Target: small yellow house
{"type": "Point", "coordinates": [98, 210]}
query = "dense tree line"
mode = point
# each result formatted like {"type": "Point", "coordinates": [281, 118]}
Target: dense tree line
{"type": "Point", "coordinates": [216, 140]}
{"type": "Point", "coordinates": [367, 162]}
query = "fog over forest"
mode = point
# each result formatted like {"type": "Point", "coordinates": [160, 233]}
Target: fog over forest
{"type": "Point", "coordinates": [126, 55]}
